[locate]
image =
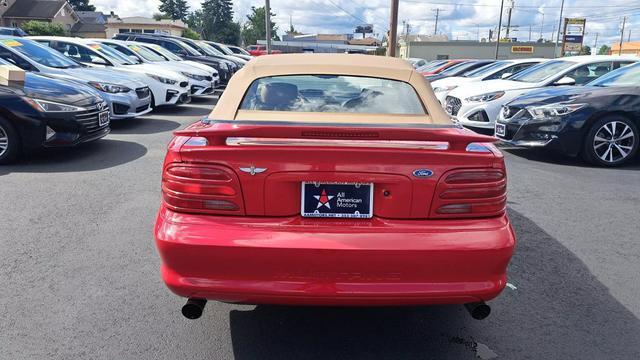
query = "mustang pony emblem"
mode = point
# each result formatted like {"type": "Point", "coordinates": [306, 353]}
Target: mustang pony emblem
{"type": "Point", "coordinates": [253, 170]}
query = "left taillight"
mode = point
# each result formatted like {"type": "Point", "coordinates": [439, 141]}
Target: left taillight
{"type": "Point", "coordinates": [206, 189]}
{"type": "Point", "coordinates": [466, 193]}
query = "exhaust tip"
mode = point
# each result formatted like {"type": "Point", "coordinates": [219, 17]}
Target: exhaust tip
{"type": "Point", "coordinates": [193, 308]}
{"type": "Point", "coordinates": [478, 310]}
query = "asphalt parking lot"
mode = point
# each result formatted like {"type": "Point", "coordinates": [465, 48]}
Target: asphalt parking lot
{"type": "Point", "coordinates": [79, 271]}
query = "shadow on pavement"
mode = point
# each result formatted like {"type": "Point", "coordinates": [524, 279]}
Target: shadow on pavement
{"type": "Point", "coordinates": [552, 157]}
{"type": "Point", "coordinates": [559, 311]}
{"type": "Point", "coordinates": [143, 125]}
{"type": "Point", "coordinates": [97, 155]}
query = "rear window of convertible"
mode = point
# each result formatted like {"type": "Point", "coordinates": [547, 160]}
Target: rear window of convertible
{"type": "Point", "coordinates": [332, 93]}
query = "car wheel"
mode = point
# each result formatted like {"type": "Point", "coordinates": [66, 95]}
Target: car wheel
{"type": "Point", "coordinates": [9, 142]}
{"type": "Point", "coordinates": [611, 141]}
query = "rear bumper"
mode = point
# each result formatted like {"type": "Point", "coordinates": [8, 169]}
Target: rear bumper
{"type": "Point", "coordinates": [296, 261]}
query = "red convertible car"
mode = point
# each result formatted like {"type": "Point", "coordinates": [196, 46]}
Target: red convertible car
{"type": "Point", "coordinates": [332, 180]}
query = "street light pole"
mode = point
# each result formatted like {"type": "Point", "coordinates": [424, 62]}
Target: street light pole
{"type": "Point", "coordinates": [267, 23]}
{"type": "Point", "coordinates": [624, 22]}
{"type": "Point", "coordinates": [499, 27]}
{"type": "Point", "coordinates": [393, 30]}
{"type": "Point", "coordinates": [555, 46]}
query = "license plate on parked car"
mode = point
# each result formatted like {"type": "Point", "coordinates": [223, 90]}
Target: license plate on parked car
{"type": "Point", "coordinates": [103, 118]}
{"type": "Point", "coordinates": [338, 200]}
{"type": "Point", "coordinates": [501, 129]}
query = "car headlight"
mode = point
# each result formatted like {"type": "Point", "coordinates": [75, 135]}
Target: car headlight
{"type": "Point", "coordinates": [50, 106]}
{"type": "Point", "coordinates": [163, 80]}
{"type": "Point", "coordinates": [109, 88]}
{"type": "Point", "coordinates": [444, 88]}
{"type": "Point", "coordinates": [194, 76]}
{"type": "Point", "coordinates": [553, 110]}
{"type": "Point", "coordinates": [486, 97]}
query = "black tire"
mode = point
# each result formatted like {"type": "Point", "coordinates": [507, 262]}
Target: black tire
{"type": "Point", "coordinates": [611, 141]}
{"type": "Point", "coordinates": [9, 142]}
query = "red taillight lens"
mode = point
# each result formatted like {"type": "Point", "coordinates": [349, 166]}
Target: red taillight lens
{"type": "Point", "coordinates": [201, 189]}
{"type": "Point", "coordinates": [470, 193]}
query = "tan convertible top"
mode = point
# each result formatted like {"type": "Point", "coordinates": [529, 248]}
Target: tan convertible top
{"type": "Point", "coordinates": [334, 64]}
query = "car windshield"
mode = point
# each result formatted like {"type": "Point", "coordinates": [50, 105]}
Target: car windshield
{"type": "Point", "coordinates": [109, 53]}
{"type": "Point", "coordinates": [332, 93]}
{"type": "Point", "coordinates": [163, 52]}
{"type": "Point", "coordinates": [225, 49]}
{"type": "Point", "coordinates": [488, 69]}
{"type": "Point", "coordinates": [430, 66]}
{"type": "Point", "coordinates": [209, 49]}
{"type": "Point", "coordinates": [542, 71]}
{"type": "Point", "coordinates": [189, 48]}
{"type": "Point", "coordinates": [457, 68]}
{"type": "Point", "coordinates": [39, 53]}
{"type": "Point", "coordinates": [145, 53]}
{"type": "Point", "coordinates": [625, 76]}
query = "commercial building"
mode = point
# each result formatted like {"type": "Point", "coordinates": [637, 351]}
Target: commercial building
{"type": "Point", "coordinates": [138, 24]}
{"type": "Point", "coordinates": [438, 50]}
{"type": "Point", "coordinates": [628, 48]}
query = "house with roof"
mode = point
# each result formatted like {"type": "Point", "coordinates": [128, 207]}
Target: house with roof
{"type": "Point", "coordinates": [18, 12]}
{"type": "Point", "coordinates": [139, 24]}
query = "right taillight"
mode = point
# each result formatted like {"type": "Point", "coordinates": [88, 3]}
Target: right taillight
{"type": "Point", "coordinates": [207, 189]}
{"type": "Point", "coordinates": [466, 193]}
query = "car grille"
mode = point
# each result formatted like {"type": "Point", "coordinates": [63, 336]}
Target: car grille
{"type": "Point", "coordinates": [452, 105]}
{"type": "Point", "coordinates": [184, 84]}
{"type": "Point", "coordinates": [142, 108]}
{"type": "Point", "coordinates": [88, 119]}
{"type": "Point", "coordinates": [143, 93]}
{"type": "Point", "coordinates": [208, 78]}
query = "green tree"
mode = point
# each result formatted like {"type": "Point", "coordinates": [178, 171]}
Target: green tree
{"type": "Point", "coordinates": [38, 28]}
{"type": "Point", "coordinates": [604, 50]}
{"type": "Point", "coordinates": [255, 29]}
{"type": "Point", "coordinates": [174, 9]}
{"type": "Point", "coordinates": [585, 50]}
{"type": "Point", "coordinates": [160, 16]}
{"type": "Point", "coordinates": [81, 5]}
{"type": "Point", "coordinates": [190, 34]}
{"type": "Point", "coordinates": [217, 22]}
{"type": "Point", "coordinates": [194, 20]}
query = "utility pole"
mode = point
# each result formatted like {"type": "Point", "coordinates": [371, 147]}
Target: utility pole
{"type": "Point", "coordinates": [509, 18]}
{"type": "Point", "coordinates": [437, 10]}
{"type": "Point", "coordinates": [267, 24]}
{"type": "Point", "coordinates": [478, 32]}
{"type": "Point", "coordinates": [542, 26]}
{"type": "Point", "coordinates": [393, 29]}
{"type": "Point", "coordinates": [499, 27]}
{"type": "Point", "coordinates": [529, 33]}
{"type": "Point", "coordinates": [624, 22]}
{"type": "Point", "coordinates": [595, 46]}
{"type": "Point", "coordinates": [555, 46]}
{"type": "Point", "coordinates": [629, 38]}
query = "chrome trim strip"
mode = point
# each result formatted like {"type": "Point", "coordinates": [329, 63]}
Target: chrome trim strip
{"type": "Point", "coordinates": [394, 144]}
{"type": "Point", "coordinates": [208, 121]}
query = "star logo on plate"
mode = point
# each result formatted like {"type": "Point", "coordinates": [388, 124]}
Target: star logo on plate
{"type": "Point", "coordinates": [323, 199]}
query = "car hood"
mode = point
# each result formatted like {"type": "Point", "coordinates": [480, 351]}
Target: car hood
{"type": "Point", "coordinates": [105, 75]}
{"type": "Point", "coordinates": [451, 81]}
{"type": "Point", "coordinates": [200, 66]}
{"type": "Point", "coordinates": [572, 94]}
{"type": "Point", "coordinates": [483, 87]}
{"type": "Point", "coordinates": [45, 87]}
{"type": "Point", "coordinates": [181, 67]}
{"type": "Point", "coordinates": [154, 69]}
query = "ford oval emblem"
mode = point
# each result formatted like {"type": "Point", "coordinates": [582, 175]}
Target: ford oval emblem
{"type": "Point", "coordinates": [422, 173]}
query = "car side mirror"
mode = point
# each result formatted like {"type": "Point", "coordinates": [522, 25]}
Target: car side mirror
{"type": "Point", "coordinates": [565, 80]}
{"type": "Point", "coordinates": [505, 75]}
{"type": "Point", "coordinates": [182, 53]}
{"type": "Point", "coordinates": [134, 59]}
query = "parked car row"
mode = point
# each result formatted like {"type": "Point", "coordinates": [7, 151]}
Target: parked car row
{"type": "Point", "coordinates": [581, 106]}
{"type": "Point", "coordinates": [75, 87]}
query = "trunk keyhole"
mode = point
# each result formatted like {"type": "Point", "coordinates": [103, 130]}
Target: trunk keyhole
{"type": "Point", "coordinates": [386, 193]}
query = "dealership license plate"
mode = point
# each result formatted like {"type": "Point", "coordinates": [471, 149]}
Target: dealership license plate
{"type": "Point", "coordinates": [103, 118]}
{"type": "Point", "coordinates": [337, 200]}
{"type": "Point", "coordinates": [501, 129]}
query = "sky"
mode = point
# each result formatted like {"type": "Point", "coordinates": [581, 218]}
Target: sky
{"type": "Point", "coordinates": [459, 19]}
